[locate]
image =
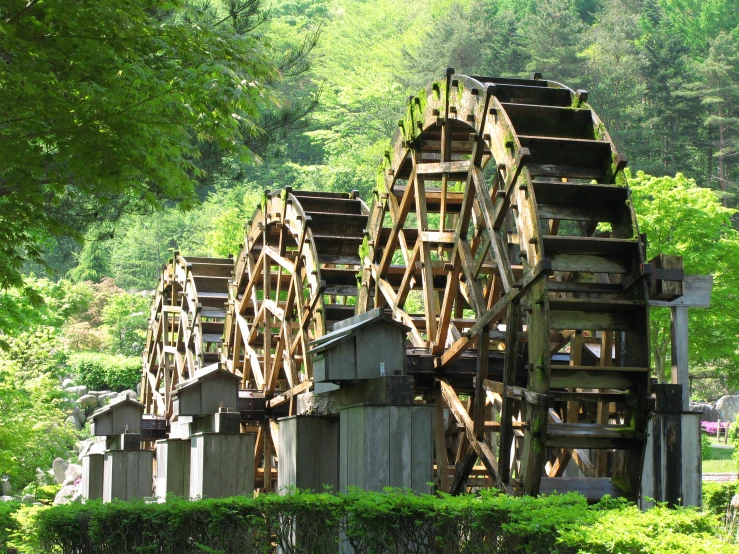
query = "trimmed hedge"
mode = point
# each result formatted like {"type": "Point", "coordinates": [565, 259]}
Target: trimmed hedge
{"type": "Point", "coordinates": [372, 523]}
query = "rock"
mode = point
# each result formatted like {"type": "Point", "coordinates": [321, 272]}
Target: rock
{"type": "Point", "coordinates": [76, 392]}
{"type": "Point", "coordinates": [67, 494]}
{"type": "Point", "coordinates": [73, 474]}
{"type": "Point", "coordinates": [67, 383]}
{"type": "Point", "coordinates": [99, 393]}
{"type": "Point", "coordinates": [131, 394]}
{"type": "Point", "coordinates": [710, 413]}
{"type": "Point", "coordinates": [73, 422]}
{"type": "Point", "coordinates": [28, 499]}
{"type": "Point", "coordinates": [59, 469]}
{"type": "Point", "coordinates": [79, 414]}
{"type": "Point", "coordinates": [88, 401]}
{"type": "Point", "coordinates": [44, 477]}
{"type": "Point", "coordinates": [6, 498]}
{"type": "Point", "coordinates": [5, 487]}
{"type": "Point", "coordinates": [85, 447]}
{"type": "Point", "coordinates": [728, 408]}
{"type": "Point", "coordinates": [107, 397]}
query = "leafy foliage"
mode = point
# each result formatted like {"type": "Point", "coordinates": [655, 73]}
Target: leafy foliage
{"type": "Point", "coordinates": [100, 371]}
{"type": "Point", "coordinates": [683, 219]}
{"type": "Point", "coordinates": [32, 429]}
{"type": "Point", "coordinates": [100, 104]}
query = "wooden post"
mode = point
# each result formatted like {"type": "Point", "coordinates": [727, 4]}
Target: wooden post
{"type": "Point", "coordinates": [680, 352]}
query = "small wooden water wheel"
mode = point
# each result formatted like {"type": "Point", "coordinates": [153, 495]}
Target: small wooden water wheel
{"type": "Point", "coordinates": [185, 327]}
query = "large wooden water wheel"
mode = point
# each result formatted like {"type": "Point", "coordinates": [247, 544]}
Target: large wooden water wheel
{"type": "Point", "coordinates": [502, 234]}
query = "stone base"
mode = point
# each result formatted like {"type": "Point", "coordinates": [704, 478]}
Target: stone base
{"type": "Point", "coordinates": [394, 390]}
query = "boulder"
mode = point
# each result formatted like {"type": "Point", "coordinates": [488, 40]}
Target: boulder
{"type": "Point", "coordinates": [99, 393]}
{"type": "Point", "coordinates": [84, 447]}
{"type": "Point", "coordinates": [130, 393]}
{"type": "Point", "coordinates": [5, 486]}
{"type": "Point", "coordinates": [67, 383]}
{"type": "Point", "coordinates": [728, 407]}
{"type": "Point", "coordinates": [45, 477]}
{"type": "Point", "coordinates": [79, 414]}
{"type": "Point", "coordinates": [59, 469]}
{"type": "Point", "coordinates": [106, 397]}
{"type": "Point", "coordinates": [708, 411]}
{"type": "Point", "coordinates": [72, 421]}
{"type": "Point", "coordinates": [67, 494]}
{"type": "Point", "coordinates": [73, 474]}
{"type": "Point", "coordinates": [6, 498]}
{"type": "Point", "coordinates": [76, 392]}
{"type": "Point", "coordinates": [28, 499]}
{"type": "Point", "coordinates": [88, 401]}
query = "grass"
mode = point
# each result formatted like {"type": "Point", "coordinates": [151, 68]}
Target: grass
{"type": "Point", "coordinates": [720, 460]}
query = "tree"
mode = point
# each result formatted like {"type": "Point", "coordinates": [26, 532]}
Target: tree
{"type": "Point", "coordinates": [553, 32]}
{"type": "Point", "coordinates": [718, 91]}
{"type": "Point", "coordinates": [93, 261]}
{"type": "Point", "coordinates": [101, 108]}
{"type": "Point", "coordinates": [698, 21]}
{"type": "Point", "coordinates": [680, 218]}
{"type": "Point", "coordinates": [477, 39]}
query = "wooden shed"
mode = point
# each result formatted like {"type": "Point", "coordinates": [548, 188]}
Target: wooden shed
{"type": "Point", "coordinates": [211, 388]}
{"type": "Point", "coordinates": [120, 416]}
{"type": "Point", "coordinates": [361, 347]}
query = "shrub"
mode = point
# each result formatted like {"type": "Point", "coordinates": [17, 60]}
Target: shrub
{"type": "Point", "coordinates": [705, 447]}
{"type": "Point", "coordinates": [716, 496]}
{"type": "Point", "coordinates": [7, 523]}
{"type": "Point", "coordinates": [105, 371]}
{"type": "Point", "coordinates": [395, 521]}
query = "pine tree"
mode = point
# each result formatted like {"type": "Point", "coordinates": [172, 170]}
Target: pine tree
{"type": "Point", "coordinates": [717, 88]}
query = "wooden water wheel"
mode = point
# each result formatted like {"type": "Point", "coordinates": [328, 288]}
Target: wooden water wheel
{"type": "Point", "coordinates": [295, 276]}
{"type": "Point", "coordinates": [502, 234]}
{"type": "Point", "coordinates": [185, 327]}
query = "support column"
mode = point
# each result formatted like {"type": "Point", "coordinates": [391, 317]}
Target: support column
{"type": "Point", "coordinates": [92, 476]}
{"type": "Point", "coordinates": [173, 468]}
{"type": "Point", "coordinates": [679, 337]}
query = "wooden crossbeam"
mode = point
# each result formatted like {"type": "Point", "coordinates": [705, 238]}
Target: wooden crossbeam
{"type": "Point", "coordinates": [480, 447]}
{"type": "Point", "coordinates": [542, 269]}
{"type": "Point", "coordinates": [287, 395]}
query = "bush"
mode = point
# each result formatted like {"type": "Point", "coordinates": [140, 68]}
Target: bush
{"type": "Point", "coordinates": [716, 496]}
{"type": "Point", "coordinates": [7, 524]}
{"type": "Point", "coordinates": [99, 371]}
{"type": "Point", "coordinates": [705, 447]}
{"type": "Point", "coordinates": [372, 522]}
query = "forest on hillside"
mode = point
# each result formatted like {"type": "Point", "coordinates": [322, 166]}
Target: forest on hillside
{"type": "Point", "coordinates": [105, 172]}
